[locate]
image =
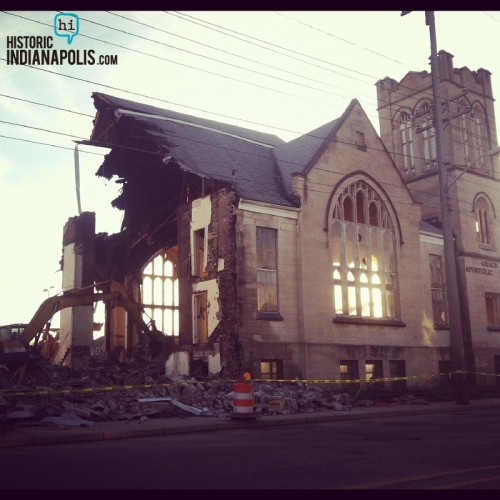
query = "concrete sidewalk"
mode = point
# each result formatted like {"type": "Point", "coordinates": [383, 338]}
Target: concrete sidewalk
{"type": "Point", "coordinates": [40, 434]}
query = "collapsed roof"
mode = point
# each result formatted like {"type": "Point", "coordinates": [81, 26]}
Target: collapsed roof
{"type": "Point", "coordinates": [257, 165]}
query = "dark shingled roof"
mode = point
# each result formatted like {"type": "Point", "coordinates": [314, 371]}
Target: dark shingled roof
{"type": "Point", "coordinates": [258, 165]}
{"type": "Point", "coordinates": [294, 156]}
{"type": "Point", "coordinates": [298, 155]}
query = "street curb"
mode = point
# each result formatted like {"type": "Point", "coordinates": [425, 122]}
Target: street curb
{"type": "Point", "coordinates": [44, 437]}
{"type": "Point", "coordinates": [68, 438]}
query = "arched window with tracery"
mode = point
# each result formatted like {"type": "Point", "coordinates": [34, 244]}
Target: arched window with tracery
{"type": "Point", "coordinates": [465, 130]}
{"type": "Point", "coordinates": [363, 250]}
{"type": "Point", "coordinates": [484, 221]}
{"type": "Point", "coordinates": [406, 130]}
{"type": "Point", "coordinates": [160, 293]}
{"type": "Point", "coordinates": [428, 137]}
{"type": "Point", "coordinates": [478, 138]}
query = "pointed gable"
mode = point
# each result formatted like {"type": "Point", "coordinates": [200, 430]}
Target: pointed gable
{"type": "Point", "coordinates": [257, 165]}
{"type": "Point", "coordinates": [300, 154]}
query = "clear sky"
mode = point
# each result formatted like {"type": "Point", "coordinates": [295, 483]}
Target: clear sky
{"type": "Point", "coordinates": [280, 72]}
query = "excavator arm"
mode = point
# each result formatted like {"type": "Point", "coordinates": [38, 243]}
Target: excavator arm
{"type": "Point", "coordinates": [104, 291]}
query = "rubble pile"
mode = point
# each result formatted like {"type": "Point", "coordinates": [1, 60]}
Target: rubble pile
{"type": "Point", "coordinates": [57, 395]}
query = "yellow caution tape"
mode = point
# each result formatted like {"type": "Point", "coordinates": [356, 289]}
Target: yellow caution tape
{"type": "Point", "coordinates": [70, 390]}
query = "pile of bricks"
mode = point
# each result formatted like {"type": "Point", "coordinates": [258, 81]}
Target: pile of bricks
{"type": "Point", "coordinates": [127, 391]}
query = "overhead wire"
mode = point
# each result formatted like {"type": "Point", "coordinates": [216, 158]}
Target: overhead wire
{"type": "Point", "coordinates": [394, 198]}
{"type": "Point", "coordinates": [253, 71]}
{"type": "Point", "coordinates": [94, 82]}
{"type": "Point", "coordinates": [277, 177]}
{"type": "Point", "coordinates": [233, 54]}
{"type": "Point", "coordinates": [204, 70]}
{"type": "Point", "coordinates": [342, 39]}
{"type": "Point", "coordinates": [396, 92]}
{"type": "Point", "coordinates": [199, 69]}
{"type": "Point", "coordinates": [285, 48]}
{"type": "Point", "coordinates": [159, 99]}
{"type": "Point", "coordinates": [61, 133]}
{"type": "Point", "coordinates": [181, 15]}
{"type": "Point", "coordinates": [46, 105]}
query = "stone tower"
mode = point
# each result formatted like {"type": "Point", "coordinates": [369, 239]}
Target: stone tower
{"type": "Point", "coordinates": [469, 134]}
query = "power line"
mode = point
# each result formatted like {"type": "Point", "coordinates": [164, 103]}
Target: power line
{"type": "Point", "coordinates": [492, 17]}
{"type": "Point", "coordinates": [111, 145]}
{"type": "Point", "coordinates": [209, 58]}
{"type": "Point", "coordinates": [268, 43]}
{"type": "Point", "coordinates": [46, 144]}
{"type": "Point", "coordinates": [229, 53]}
{"type": "Point", "coordinates": [160, 99]}
{"type": "Point", "coordinates": [342, 39]}
{"type": "Point", "coordinates": [203, 70]}
{"type": "Point", "coordinates": [39, 129]}
{"type": "Point", "coordinates": [288, 55]}
{"type": "Point", "coordinates": [102, 154]}
{"type": "Point", "coordinates": [137, 94]}
{"type": "Point", "coordinates": [46, 105]}
{"type": "Point", "coordinates": [149, 97]}
{"type": "Point", "coordinates": [190, 139]}
{"type": "Point", "coordinates": [199, 69]}
{"type": "Point", "coordinates": [258, 62]}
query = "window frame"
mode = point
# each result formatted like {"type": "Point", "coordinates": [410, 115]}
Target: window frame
{"type": "Point", "coordinates": [357, 277]}
{"type": "Point", "coordinates": [376, 373]}
{"type": "Point", "coordinates": [199, 252]}
{"type": "Point", "coordinates": [152, 306]}
{"type": "Point", "coordinates": [275, 369]}
{"type": "Point", "coordinates": [266, 266]}
{"type": "Point", "coordinates": [438, 286]}
{"type": "Point", "coordinates": [479, 138]}
{"type": "Point", "coordinates": [352, 373]}
{"type": "Point", "coordinates": [492, 305]}
{"type": "Point", "coordinates": [464, 125]}
{"type": "Point", "coordinates": [426, 130]}
{"type": "Point", "coordinates": [407, 137]}
{"type": "Point", "coordinates": [484, 222]}
{"type": "Point", "coordinates": [360, 140]}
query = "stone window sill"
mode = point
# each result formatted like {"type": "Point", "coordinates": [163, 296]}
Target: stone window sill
{"type": "Point", "coordinates": [269, 316]}
{"type": "Point", "coordinates": [356, 320]}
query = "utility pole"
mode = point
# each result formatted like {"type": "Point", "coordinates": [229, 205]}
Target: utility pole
{"type": "Point", "coordinates": [454, 317]}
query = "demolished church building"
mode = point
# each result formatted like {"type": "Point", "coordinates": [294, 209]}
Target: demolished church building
{"type": "Point", "coordinates": [306, 259]}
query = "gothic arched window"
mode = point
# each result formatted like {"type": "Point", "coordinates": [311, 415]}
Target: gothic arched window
{"type": "Point", "coordinates": [428, 136]}
{"type": "Point", "coordinates": [465, 130]}
{"type": "Point", "coordinates": [364, 269]}
{"type": "Point", "coordinates": [160, 293]}
{"type": "Point", "coordinates": [406, 130]}
{"type": "Point", "coordinates": [484, 221]}
{"type": "Point", "coordinates": [478, 138]}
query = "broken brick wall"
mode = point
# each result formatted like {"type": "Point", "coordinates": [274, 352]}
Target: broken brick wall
{"type": "Point", "coordinates": [222, 253]}
{"type": "Point", "coordinates": [220, 271]}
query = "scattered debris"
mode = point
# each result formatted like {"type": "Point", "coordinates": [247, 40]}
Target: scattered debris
{"type": "Point", "coordinates": [127, 390]}
{"type": "Point", "coordinates": [182, 406]}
